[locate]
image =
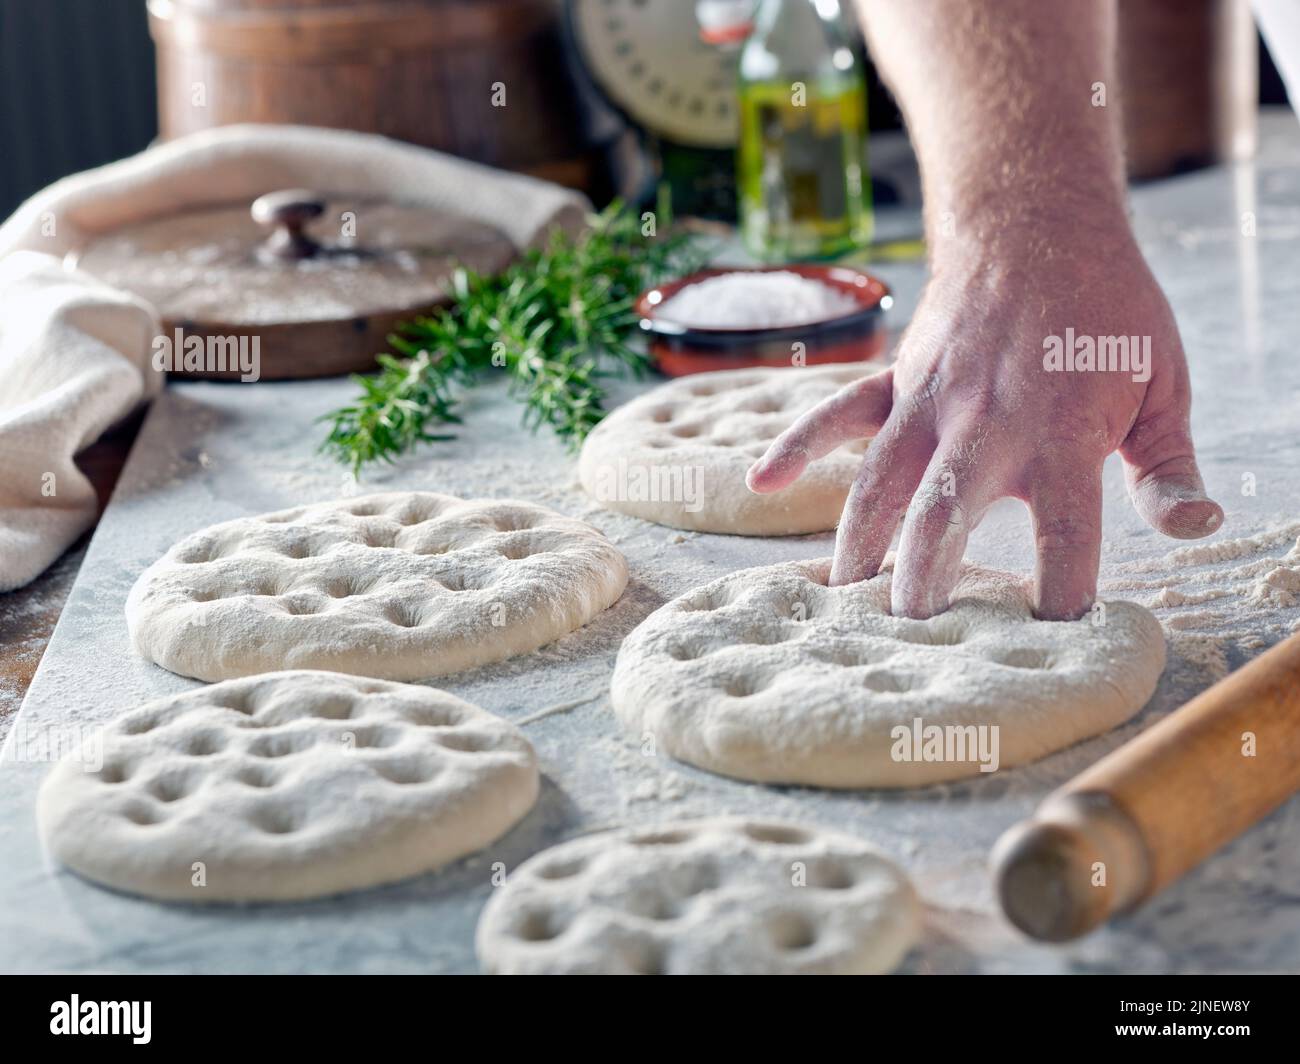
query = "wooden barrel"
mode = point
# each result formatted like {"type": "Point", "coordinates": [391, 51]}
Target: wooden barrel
{"type": "Point", "coordinates": [1189, 83]}
{"type": "Point", "coordinates": [426, 71]}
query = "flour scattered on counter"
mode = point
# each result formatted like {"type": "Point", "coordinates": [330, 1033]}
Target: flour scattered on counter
{"type": "Point", "coordinates": [1251, 641]}
{"type": "Point", "coordinates": [1170, 597]}
{"type": "Point", "coordinates": [1192, 619]}
{"type": "Point", "coordinates": [26, 621]}
{"type": "Point", "coordinates": [1250, 598]}
{"type": "Point", "coordinates": [1206, 652]}
{"type": "Point", "coordinates": [1231, 549]}
{"type": "Point", "coordinates": [1128, 583]}
{"type": "Point", "coordinates": [563, 707]}
{"type": "Point", "coordinates": [654, 784]}
{"type": "Point", "coordinates": [1279, 586]}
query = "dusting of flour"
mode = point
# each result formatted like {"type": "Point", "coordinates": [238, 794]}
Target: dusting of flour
{"type": "Point", "coordinates": [1241, 593]}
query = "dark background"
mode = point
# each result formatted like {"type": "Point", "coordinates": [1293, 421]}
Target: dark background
{"type": "Point", "coordinates": [77, 90]}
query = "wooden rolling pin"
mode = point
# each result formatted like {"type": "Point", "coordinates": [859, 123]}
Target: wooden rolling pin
{"type": "Point", "coordinates": [1142, 816]}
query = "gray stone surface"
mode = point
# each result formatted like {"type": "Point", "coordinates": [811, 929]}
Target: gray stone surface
{"type": "Point", "coordinates": [209, 453]}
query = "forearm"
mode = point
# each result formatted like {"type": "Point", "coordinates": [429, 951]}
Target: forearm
{"type": "Point", "coordinates": [1029, 237]}
{"type": "Point", "coordinates": [1000, 104]}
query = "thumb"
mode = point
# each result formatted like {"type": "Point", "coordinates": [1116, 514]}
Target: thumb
{"type": "Point", "coordinates": [1163, 479]}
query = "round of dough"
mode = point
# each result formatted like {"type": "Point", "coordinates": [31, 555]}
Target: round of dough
{"type": "Point", "coordinates": [702, 897]}
{"type": "Point", "coordinates": [678, 455]}
{"type": "Point", "coordinates": [770, 675]}
{"type": "Point", "coordinates": [288, 785]}
{"type": "Point", "coordinates": [401, 586]}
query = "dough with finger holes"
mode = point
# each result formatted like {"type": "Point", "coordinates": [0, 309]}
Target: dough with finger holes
{"type": "Point", "coordinates": [284, 786]}
{"type": "Point", "coordinates": [400, 586]}
{"type": "Point", "coordinates": [770, 675]}
{"type": "Point", "coordinates": [702, 897]}
{"type": "Point", "coordinates": [678, 455]}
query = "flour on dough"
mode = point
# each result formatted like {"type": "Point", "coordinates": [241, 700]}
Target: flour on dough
{"type": "Point", "coordinates": [702, 897]}
{"type": "Point", "coordinates": [770, 675]}
{"type": "Point", "coordinates": [288, 785]}
{"type": "Point", "coordinates": [401, 586]}
{"type": "Point", "coordinates": [678, 454]}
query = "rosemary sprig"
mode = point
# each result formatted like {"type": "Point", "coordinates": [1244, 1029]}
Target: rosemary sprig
{"type": "Point", "coordinates": [557, 321]}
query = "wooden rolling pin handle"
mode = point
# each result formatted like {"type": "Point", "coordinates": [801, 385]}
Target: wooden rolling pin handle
{"type": "Point", "coordinates": [1077, 861]}
{"type": "Point", "coordinates": [1157, 806]}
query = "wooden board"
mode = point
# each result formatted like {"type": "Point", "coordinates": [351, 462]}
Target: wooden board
{"type": "Point", "coordinates": [208, 275]}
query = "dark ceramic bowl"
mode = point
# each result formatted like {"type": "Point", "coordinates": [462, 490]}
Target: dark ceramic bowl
{"type": "Point", "coordinates": [858, 336]}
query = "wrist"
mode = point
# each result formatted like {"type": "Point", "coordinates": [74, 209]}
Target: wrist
{"type": "Point", "coordinates": [1031, 235]}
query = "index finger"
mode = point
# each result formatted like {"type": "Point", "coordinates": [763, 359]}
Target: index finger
{"type": "Point", "coordinates": [1066, 510]}
{"type": "Point", "coordinates": [856, 411]}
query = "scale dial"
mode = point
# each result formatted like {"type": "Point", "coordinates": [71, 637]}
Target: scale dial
{"type": "Point", "coordinates": [647, 57]}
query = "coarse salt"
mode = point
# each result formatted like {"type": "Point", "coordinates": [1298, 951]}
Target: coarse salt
{"type": "Point", "coordinates": [755, 300]}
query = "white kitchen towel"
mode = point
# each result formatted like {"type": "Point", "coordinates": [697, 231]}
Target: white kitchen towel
{"type": "Point", "coordinates": [236, 164]}
{"type": "Point", "coordinates": [1279, 23]}
{"type": "Point", "coordinates": [74, 353]}
{"type": "Point", "coordinates": [74, 359]}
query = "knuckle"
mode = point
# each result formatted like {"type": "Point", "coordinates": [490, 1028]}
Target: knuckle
{"type": "Point", "coordinates": [983, 406]}
{"type": "Point", "coordinates": [1069, 454]}
{"type": "Point", "coordinates": [876, 483]}
{"type": "Point", "coordinates": [1065, 533]}
{"type": "Point", "coordinates": [928, 387]}
{"type": "Point", "coordinates": [931, 509]}
{"type": "Point", "coordinates": [871, 481]}
{"type": "Point", "coordinates": [1165, 443]}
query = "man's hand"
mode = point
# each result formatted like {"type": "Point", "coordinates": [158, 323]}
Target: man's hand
{"type": "Point", "coordinates": [969, 414]}
{"type": "Point", "coordinates": [1012, 108]}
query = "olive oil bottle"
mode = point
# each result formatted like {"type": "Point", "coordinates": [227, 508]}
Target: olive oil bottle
{"type": "Point", "coordinates": [805, 191]}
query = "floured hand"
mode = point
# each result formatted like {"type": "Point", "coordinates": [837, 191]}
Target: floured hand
{"type": "Point", "coordinates": [974, 410]}
{"type": "Point", "coordinates": [1023, 181]}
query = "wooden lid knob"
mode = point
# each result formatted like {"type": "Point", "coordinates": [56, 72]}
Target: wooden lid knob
{"type": "Point", "coordinates": [286, 213]}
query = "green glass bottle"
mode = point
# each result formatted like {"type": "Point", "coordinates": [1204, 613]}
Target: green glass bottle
{"type": "Point", "coordinates": [805, 191]}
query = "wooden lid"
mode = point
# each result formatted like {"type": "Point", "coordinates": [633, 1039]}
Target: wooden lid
{"type": "Point", "coordinates": [319, 282]}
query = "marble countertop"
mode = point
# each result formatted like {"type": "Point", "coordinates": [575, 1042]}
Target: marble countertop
{"type": "Point", "coordinates": [210, 452]}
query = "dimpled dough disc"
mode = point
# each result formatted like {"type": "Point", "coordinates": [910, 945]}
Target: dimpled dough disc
{"type": "Point", "coordinates": [288, 785]}
{"type": "Point", "coordinates": [678, 455]}
{"type": "Point", "coordinates": [402, 586]}
{"type": "Point", "coordinates": [769, 675]}
{"type": "Point", "coordinates": [720, 896]}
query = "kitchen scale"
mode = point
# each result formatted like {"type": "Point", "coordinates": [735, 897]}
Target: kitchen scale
{"type": "Point", "coordinates": [649, 60]}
